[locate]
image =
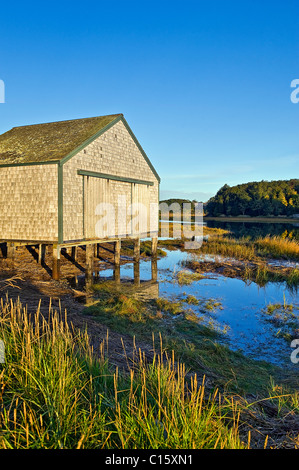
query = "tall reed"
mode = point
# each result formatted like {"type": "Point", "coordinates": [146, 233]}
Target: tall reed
{"type": "Point", "coordinates": [55, 393]}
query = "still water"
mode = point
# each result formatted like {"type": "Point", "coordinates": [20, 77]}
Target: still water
{"type": "Point", "coordinates": [237, 311]}
{"type": "Point", "coordinates": [258, 229]}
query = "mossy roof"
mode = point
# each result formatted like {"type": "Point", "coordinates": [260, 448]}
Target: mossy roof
{"type": "Point", "coordinates": [51, 141]}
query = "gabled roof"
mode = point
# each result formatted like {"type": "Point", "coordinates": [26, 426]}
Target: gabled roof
{"type": "Point", "coordinates": [55, 142]}
{"type": "Point", "coordinates": [51, 141]}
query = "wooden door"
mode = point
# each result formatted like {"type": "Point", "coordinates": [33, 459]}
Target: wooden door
{"type": "Point", "coordinates": [107, 212]}
{"type": "Point", "coordinates": [140, 209]}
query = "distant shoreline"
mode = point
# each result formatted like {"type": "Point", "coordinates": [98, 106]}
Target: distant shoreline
{"type": "Point", "coordinates": [282, 220]}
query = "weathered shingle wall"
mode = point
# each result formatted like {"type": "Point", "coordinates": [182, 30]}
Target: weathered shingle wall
{"type": "Point", "coordinates": [28, 203]}
{"type": "Point", "coordinates": [114, 152]}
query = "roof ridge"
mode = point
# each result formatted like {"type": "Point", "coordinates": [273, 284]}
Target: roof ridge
{"type": "Point", "coordinates": [67, 120]}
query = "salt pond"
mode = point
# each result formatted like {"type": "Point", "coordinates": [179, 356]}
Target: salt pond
{"type": "Point", "coordinates": [239, 312]}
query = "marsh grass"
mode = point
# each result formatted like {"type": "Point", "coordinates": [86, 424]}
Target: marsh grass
{"type": "Point", "coordinates": [283, 398]}
{"type": "Point", "coordinates": [191, 300]}
{"type": "Point", "coordinates": [56, 394]}
{"type": "Point", "coordinates": [188, 334]}
{"type": "Point", "coordinates": [188, 277]}
{"type": "Point", "coordinates": [145, 249]}
{"type": "Point", "coordinates": [229, 247]}
{"type": "Point", "coordinates": [285, 318]}
{"type": "Point", "coordinates": [277, 247]}
{"type": "Point", "coordinates": [223, 243]}
{"type": "Point", "coordinates": [259, 272]}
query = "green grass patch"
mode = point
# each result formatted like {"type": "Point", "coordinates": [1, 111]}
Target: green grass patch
{"type": "Point", "coordinates": [194, 342]}
{"type": "Point", "coordinates": [56, 394]}
{"type": "Point", "coordinates": [284, 318]}
{"type": "Point", "coordinates": [188, 277]}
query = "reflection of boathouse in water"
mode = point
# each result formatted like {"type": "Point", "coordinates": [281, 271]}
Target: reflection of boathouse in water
{"type": "Point", "coordinates": [140, 289]}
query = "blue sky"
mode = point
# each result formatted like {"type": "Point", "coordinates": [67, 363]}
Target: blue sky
{"type": "Point", "coordinates": [205, 86]}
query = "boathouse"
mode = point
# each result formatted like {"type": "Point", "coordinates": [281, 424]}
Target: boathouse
{"type": "Point", "coordinates": [76, 182]}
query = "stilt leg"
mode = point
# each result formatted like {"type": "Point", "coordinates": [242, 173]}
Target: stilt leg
{"type": "Point", "coordinates": [74, 253]}
{"type": "Point", "coordinates": [56, 262]}
{"type": "Point", "coordinates": [117, 247]}
{"type": "Point", "coordinates": [137, 250]}
{"type": "Point", "coordinates": [89, 260]}
{"type": "Point", "coordinates": [11, 250]}
{"type": "Point", "coordinates": [136, 273]}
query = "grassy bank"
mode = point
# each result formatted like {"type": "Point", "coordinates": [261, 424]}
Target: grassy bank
{"type": "Point", "coordinates": [195, 343]}
{"type": "Point", "coordinates": [190, 392]}
{"type": "Point", "coordinates": [55, 394]}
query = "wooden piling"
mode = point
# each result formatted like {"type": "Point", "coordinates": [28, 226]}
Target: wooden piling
{"type": "Point", "coordinates": [74, 253]}
{"type": "Point", "coordinates": [136, 250]}
{"type": "Point", "coordinates": [56, 262]}
{"type": "Point", "coordinates": [89, 260]}
{"type": "Point", "coordinates": [11, 250]}
{"type": "Point", "coordinates": [136, 273]}
{"type": "Point", "coordinates": [117, 248]}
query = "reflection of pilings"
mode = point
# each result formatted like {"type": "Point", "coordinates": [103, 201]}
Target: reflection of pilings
{"type": "Point", "coordinates": [154, 269]}
{"type": "Point", "coordinates": [116, 273]}
{"type": "Point", "coordinates": [90, 251]}
{"type": "Point", "coordinates": [136, 273]}
{"type": "Point", "coordinates": [154, 246]}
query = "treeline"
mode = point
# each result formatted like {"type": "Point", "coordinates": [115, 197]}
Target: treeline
{"type": "Point", "coordinates": [179, 204]}
{"type": "Point", "coordinates": [179, 201]}
{"type": "Point", "coordinates": [264, 198]}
